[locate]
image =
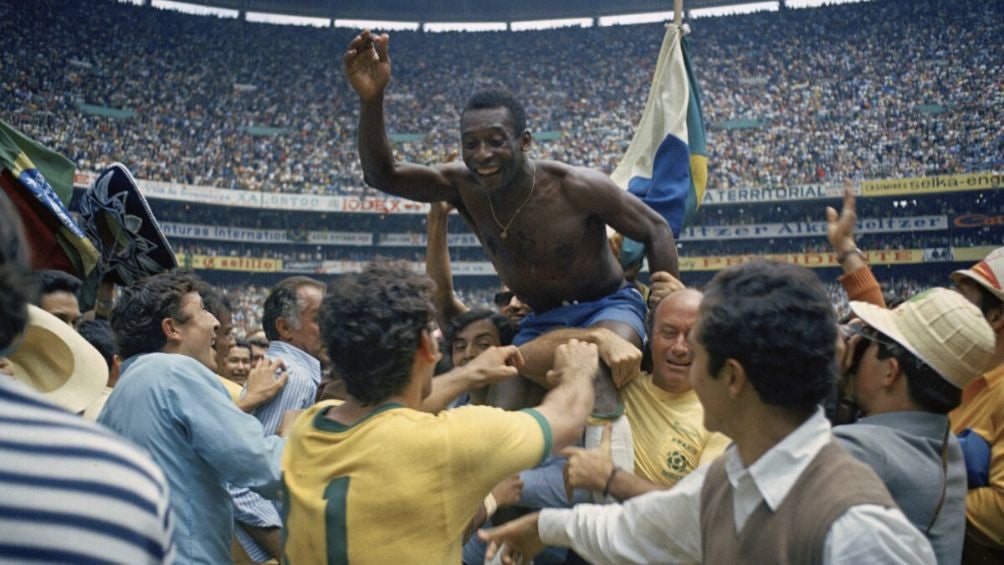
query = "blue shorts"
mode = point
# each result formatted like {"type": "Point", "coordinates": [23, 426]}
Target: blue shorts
{"type": "Point", "coordinates": [625, 306]}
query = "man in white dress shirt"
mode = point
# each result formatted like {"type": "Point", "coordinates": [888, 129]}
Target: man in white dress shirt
{"type": "Point", "coordinates": [784, 491]}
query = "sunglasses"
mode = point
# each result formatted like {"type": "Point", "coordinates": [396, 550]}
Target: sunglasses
{"type": "Point", "coordinates": [503, 298]}
{"type": "Point", "coordinates": [871, 334]}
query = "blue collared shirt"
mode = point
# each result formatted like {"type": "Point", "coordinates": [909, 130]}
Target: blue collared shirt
{"type": "Point", "coordinates": [177, 410]}
{"type": "Point", "coordinates": [304, 372]}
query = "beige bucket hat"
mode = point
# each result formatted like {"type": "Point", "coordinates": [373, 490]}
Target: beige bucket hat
{"type": "Point", "coordinates": [988, 273]}
{"type": "Point", "coordinates": [59, 363]}
{"type": "Point", "coordinates": [941, 328]}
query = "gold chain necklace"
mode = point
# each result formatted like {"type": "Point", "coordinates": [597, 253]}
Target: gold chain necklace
{"type": "Point", "coordinates": [505, 228]}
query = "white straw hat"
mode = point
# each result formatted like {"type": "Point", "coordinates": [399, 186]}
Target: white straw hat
{"type": "Point", "coordinates": [988, 273]}
{"type": "Point", "coordinates": [940, 327]}
{"type": "Point", "coordinates": [59, 363]}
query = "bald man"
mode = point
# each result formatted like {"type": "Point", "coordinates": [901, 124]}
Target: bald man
{"type": "Point", "coordinates": [665, 415]}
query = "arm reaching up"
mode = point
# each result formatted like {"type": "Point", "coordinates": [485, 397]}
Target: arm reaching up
{"type": "Point", "coordinates": [858, 280]}
{"type": "Point", "coordinates": [437, 265]}
{"type": "Point", "coordinates": [367, 66]}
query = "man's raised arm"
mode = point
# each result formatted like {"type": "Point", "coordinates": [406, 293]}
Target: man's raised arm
{"type": "Point", "coordinates": [627, 214]}
{"type": "Point", "coordinates": [367, 66]}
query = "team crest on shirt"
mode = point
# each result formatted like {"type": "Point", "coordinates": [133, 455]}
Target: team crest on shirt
{"type": "Point", "coordinates": [677, 462]}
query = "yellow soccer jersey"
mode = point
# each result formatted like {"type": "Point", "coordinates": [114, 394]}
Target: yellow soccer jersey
{"type": "Point", "coordinates": [233, 389]}
{"type": "Point", "coordinates": [668, 429]}
{"type": "Point", "coordinates": [400, 485]}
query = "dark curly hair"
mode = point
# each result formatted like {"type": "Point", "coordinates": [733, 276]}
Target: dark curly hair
{"type": "Point", "coordinates": [774, 319]}
{"type": "Point", "coordinates": [372, 324]}
{"type": "Point", "coordinates": [57, 281]}
{"type": "Point", "coordinates": [216, 302]}
{"type": "Point", "coordinates": [488, 99]}
{"type": "Point", "coordinates": [17, 287]}
{"type": "Point", "coordinates": [141, 308]}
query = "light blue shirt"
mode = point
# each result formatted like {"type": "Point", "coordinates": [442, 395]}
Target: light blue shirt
{"type": "Point", "coordinates": [177, 409]}
{"type": "Point", "coordinates": [304, 372]}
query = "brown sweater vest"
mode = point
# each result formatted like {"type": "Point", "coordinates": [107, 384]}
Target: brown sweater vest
{"type": "Point", "coordinates": [796, 533]}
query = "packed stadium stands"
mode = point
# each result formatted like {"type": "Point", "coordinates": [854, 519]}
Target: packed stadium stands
{"type": "Point", "coordinates": [875, 92]}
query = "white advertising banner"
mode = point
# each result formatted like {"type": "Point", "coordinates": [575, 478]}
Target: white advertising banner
{"type": "Point", "coordinates": [419, 240]}
{"type": "Point", "coordinates": [812, 229]}
{"type": "Point", "coordinates": [254, 235]}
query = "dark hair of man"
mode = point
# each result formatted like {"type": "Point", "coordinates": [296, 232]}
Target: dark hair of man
{"type": "Point", "coordinates": [503, 325]}
{"type": "Point", "coordinates": [17, 287]}
{"type": "Point", "coordinates": [282, 302]}
{"type": "Point", "coordinates": [215, 301]}
{"type": "Point", "coordinates": [927, 389]}
{"type": "Point", "coordinates": [243, 343]}
{"type": "Point", "coordinates": [488, 99]}
{"type": "Point", "coordinates": [138, 313]}
{"type": "Point", "coordinates": [257, 342]}
{"type": "Point", "coordinates": [57, 281]}
{"type": "Point", "coordinates": [99, 334]}
{"type": "Point", "coordinates": [372, 324]}
{"type": "Point", "coordinates": [776, 321]}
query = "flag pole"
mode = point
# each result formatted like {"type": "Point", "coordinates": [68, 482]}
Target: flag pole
{"type": "Point", "coordinates": [677, 12]}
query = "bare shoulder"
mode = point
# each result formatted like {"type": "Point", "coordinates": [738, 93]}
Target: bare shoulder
{"type": "Point", "coordinates": [582, 184]}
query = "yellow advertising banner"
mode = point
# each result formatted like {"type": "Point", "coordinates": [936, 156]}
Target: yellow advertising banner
{"type": "Point", "coordinates": [811, 260]}
{"type": "Point", "coordinates": [931, 185]}
{"type": "Point", "coordinates": [218, 263]}
{"type": "Point", "coordinates": [972, 254]}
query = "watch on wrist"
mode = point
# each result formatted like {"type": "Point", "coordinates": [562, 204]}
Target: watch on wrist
{"type": "Point", "coordinates": [843, 255]}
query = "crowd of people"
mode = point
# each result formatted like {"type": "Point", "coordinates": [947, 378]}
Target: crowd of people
{"type": "Point", "coordinates": [763, 413]}
{"type": "Point", "coordinates": [281, 436]}
{"type": "Point", "coordinates": [837, 92]}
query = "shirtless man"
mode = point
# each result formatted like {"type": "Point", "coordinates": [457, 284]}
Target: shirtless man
{"type": "Point", "coordinates": [542, 223]}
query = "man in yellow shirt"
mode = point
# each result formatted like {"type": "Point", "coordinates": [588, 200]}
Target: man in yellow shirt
{"type": "Point", "coordinates": [980, 419]}
{"type": "Point", "coordinates": [666, 417]}
{"type": "Point", "coordinates": [375, 480]}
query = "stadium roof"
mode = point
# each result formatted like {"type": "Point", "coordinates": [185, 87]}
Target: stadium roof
{"type": "Point", "coordinates": [458, 10]}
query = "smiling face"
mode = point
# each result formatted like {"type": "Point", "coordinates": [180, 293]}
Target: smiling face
{"type": "Point", "coordinates": [196, 333]}
{"type": "Point", "coordinates": [491, 149]}
{"type": "Point", "coordinates": [237, 364]}
{"type": "Point", "coordinates": [671, 353]}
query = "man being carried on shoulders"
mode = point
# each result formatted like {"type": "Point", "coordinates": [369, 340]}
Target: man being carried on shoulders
{"type": "Point", "coordinates": [542, 223]}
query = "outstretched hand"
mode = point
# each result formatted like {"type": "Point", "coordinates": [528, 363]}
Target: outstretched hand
{"type": "Point", "coordinates": [367, 64]}
{"type": "Point", "coordinates": [263, 383]}
{"type": "Point", "coordinates": [840, 228]}
{"type": "Point", "coordinates": [573, 359]}
{"type": "Point", "coordinates": [623, 358]}
{"type": "Point", "coordinates": [661, 285]}
{"type": "Point", "coordinates": [497, 364]}
{"type": "Point", "coordinates": [518, 540]}
{"type": "Point", "coordinates": [589, 468]}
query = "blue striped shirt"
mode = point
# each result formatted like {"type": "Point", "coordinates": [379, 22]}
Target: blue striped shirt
{"type": "Point", "coordinates": [304, 372]}
{"type": "Point", "coordinates": [72, 492]}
